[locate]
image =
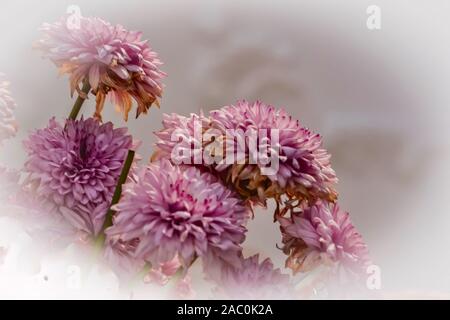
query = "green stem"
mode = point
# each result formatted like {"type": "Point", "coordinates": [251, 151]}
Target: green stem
{"type": "Point", "coordinates": [116, 196]}
{"type": "Point", "coordinates": [80, 100]}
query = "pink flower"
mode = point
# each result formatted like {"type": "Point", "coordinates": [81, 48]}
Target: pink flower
{"type": "Point", "coordinates": [75, 167]}
{"type": "Point", "coordinates": [116, 62]}
{"type": "Point", "coordinates": [178, 212]}
{"type": "Point", "coordinates": [323, 233]}
{"type": "Point", "coordinates": [8, 124]}
{"type": "Point", "coordinates": [251, 280]}
{"type": "Point", "coordinates": [304, 171]}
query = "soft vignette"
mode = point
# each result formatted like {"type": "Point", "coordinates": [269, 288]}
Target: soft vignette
{"type": "Point", "coordinates": [363, 95]}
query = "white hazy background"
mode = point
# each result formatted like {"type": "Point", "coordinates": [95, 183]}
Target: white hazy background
{"type": "Point", "coordinates": [380, 98]}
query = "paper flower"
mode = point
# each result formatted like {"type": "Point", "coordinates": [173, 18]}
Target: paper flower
{"type": "Point", "coordinates": [115, 62]}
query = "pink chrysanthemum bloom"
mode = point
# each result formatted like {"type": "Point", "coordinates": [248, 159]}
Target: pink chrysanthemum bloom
{"type": "Point", "coordinates": [114, 61]}
{"type": "Point", "coordinates": [323, 234]}
{"type": "Point", "coordinates": [304, 166]}
{"type": "Point", "coordinates": [251, 280]}
{"type": "Point", "coordinates": [8, 124]}
{"type": "Point", "coordinates": [304, 171]}
{"type": "Point", "coordinates": [76, 168]}
{"type": "Point", "coordinates": [173, 211]}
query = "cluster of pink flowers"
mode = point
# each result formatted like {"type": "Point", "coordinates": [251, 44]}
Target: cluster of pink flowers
{"type": "Point", "coordinates": [305, 172]}
{"type": "Point", "coordinates": [164, 216]}
{"type": "Point", "coordinates": [314, 229]}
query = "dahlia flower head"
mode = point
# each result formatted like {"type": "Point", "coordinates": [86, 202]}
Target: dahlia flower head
{"type": "Point", "coordinates": [304, 171]}
{"type": "Point", "coordinates": [75, 167]}
{"type": "Point", "coordinates": [323, 234]}
{"type": "Point", "coordinates": [115, 62]}
{"type": "Point", "coordinates": [8, 124]}
{"type": "Point", "coordinates": [172, 211]}
{"type": "Point", "coordinates": [251, 280]}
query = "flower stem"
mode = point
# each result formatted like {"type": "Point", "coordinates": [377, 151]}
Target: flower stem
{"type": "Point", "coordinates": [80, 100]}
{"type": "Point", "coordinates": [116, 196]}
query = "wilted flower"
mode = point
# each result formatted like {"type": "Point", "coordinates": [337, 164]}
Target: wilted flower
{"type": "Point", "coordinates": [76, 167]}
{"type": "Point", "coordinates": [114, 61]}
{"type": "Point", "coordinates": [8, 125]}
{"type": "Point", "coordinates": [173, 211]}
{"type": "Point", "coordinates": [303, 173]}
{"type": "Point", "coordinates": [323, 234]}
{"type": "Point", "coordinates": [251, 280]}
{"type": "Point", "coordinates": [304, 166]}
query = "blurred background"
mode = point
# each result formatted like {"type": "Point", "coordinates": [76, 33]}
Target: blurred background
{"type": "Point", "coordinates": [380, 98]}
